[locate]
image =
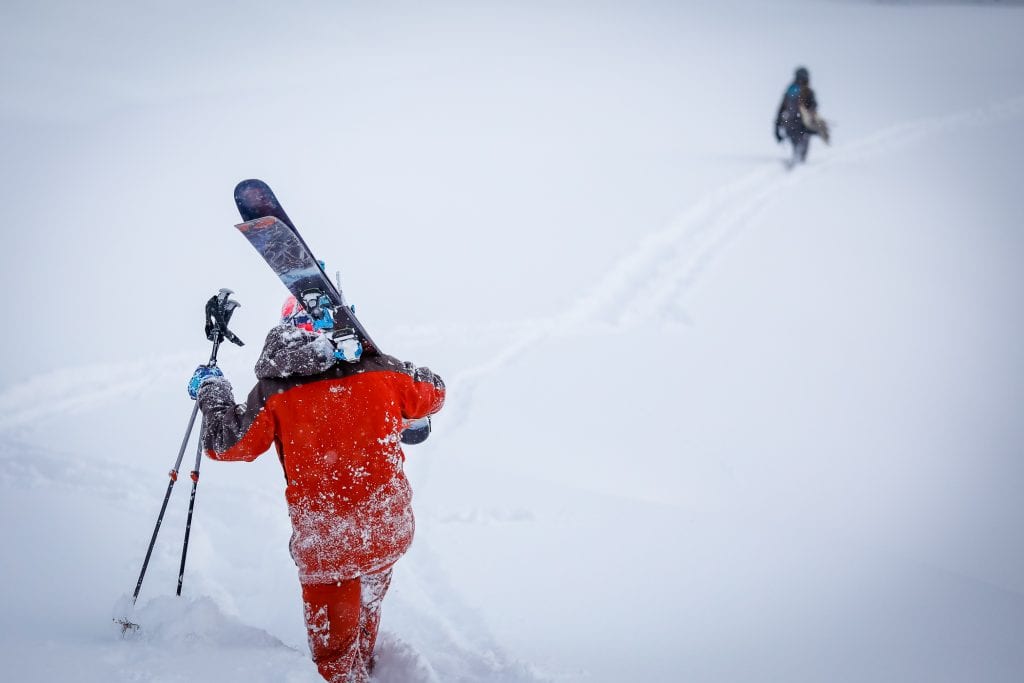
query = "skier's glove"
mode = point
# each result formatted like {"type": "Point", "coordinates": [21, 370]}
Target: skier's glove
{"type": "Point", "coordinates": [778, 134]}
{"type": "Point", "coordinates": [202, 373]}
{"type": "Point", "coordinates": [423, 374]}
{"type": "Point", "coordinates": [415, 431]}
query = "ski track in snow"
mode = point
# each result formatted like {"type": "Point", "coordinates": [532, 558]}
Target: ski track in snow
{"type": "Point", "coordinates": [647, 284]}
{"type": "Point", "coordinates": [447, 625]}
{"type": "Point", "coordinates": [26, 466]}
{"type": "Point", "coordinates": [650, 282]}
{"type": "Point", "coordinates": [72, 390]}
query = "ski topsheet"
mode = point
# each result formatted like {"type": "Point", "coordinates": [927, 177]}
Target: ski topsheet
{"type": "Point", "coordinates": [255, 199]}
{"type": "Point", "coordinates": [289, 257]}
{"type": "Point", "coordinates": [269, 229]}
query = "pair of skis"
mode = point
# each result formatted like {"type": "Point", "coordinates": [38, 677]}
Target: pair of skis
{"type": "Point", "coordinates": [271, 232]}
{"type": "Point", "coordinates": [269, 229]}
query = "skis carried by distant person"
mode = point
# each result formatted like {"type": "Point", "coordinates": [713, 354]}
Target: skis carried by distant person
{"type": "Point", "coordinates": [814, 123]}
{"type": "Point", "coordinates": [273, 234]}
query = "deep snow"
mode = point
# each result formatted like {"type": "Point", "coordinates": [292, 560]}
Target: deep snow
{"type": "Point", "coordinates": [708, 419]}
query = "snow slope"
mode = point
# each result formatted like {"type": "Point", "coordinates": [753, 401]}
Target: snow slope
{"type": "Point", "coordinates": [708, 419]}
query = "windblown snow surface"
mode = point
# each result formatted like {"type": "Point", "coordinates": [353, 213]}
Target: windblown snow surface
{"type": "Point", "coordinates": [708, 419]}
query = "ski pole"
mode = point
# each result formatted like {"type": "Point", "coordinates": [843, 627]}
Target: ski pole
{"type": "Point", "coordinates": [173, 474]}
{"type": "Point", "coordinates": [163, 508]}
{"type": "Point", "coordinates": [218, 312]}
{"type": "Point", "coordinates": [191, 507]}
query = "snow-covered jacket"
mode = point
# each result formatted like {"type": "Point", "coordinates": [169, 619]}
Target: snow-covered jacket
{"type": "Point", "coordinates": [336, 427]}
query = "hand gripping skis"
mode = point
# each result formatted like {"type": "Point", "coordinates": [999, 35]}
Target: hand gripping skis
{"type": "Point", "coordinates": [271, 232]}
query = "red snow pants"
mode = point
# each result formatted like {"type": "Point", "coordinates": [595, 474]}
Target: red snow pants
{"type": "Point", "coordinates": [342, 620]}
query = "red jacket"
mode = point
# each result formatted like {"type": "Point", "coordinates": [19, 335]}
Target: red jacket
{"type": "Point", "coordinates": [337, 430]}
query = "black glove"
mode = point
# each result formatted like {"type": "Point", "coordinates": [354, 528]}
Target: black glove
{"type": "Point", "coordinates": [415, 431]}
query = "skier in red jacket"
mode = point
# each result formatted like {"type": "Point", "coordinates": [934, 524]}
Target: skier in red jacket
{"type": "Point", "coordinates": [337, 429]}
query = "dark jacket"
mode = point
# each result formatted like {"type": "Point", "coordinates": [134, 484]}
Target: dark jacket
{"type": "Point", "coordinates": [797, 95]}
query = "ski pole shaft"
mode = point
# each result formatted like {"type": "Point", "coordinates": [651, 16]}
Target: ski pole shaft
{"type": "Point", "coordinates": [195, 475]}
{"type": "Point", "coordinates": [170, 485]}
{"type": "Point", "coordinates": [191, 507]}
{"type": "Point", "coordinates": [216, 347]}
{"type": "Point", "coordinates": [195, 478]}
{"type": "Point", "coordinates": [167, 496]}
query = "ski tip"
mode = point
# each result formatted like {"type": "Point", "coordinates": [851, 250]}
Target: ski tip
{"type": "Point", "coordinates": [250, 185]}
{"type": "Point", "coordinates": [255, 199]}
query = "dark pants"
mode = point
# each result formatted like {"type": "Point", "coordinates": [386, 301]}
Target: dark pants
{"type": "Point", "coordinates": [800, 139]}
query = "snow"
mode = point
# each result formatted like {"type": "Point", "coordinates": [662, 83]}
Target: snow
{"type": "Point", "coordinates": [708, 419]}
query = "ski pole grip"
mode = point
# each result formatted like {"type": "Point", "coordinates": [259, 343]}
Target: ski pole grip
{"type": "Point", "coordinates": [219, 310]}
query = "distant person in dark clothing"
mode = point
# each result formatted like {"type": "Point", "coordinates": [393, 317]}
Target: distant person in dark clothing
{"type": "Point", "coordinates": [797, 117]}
